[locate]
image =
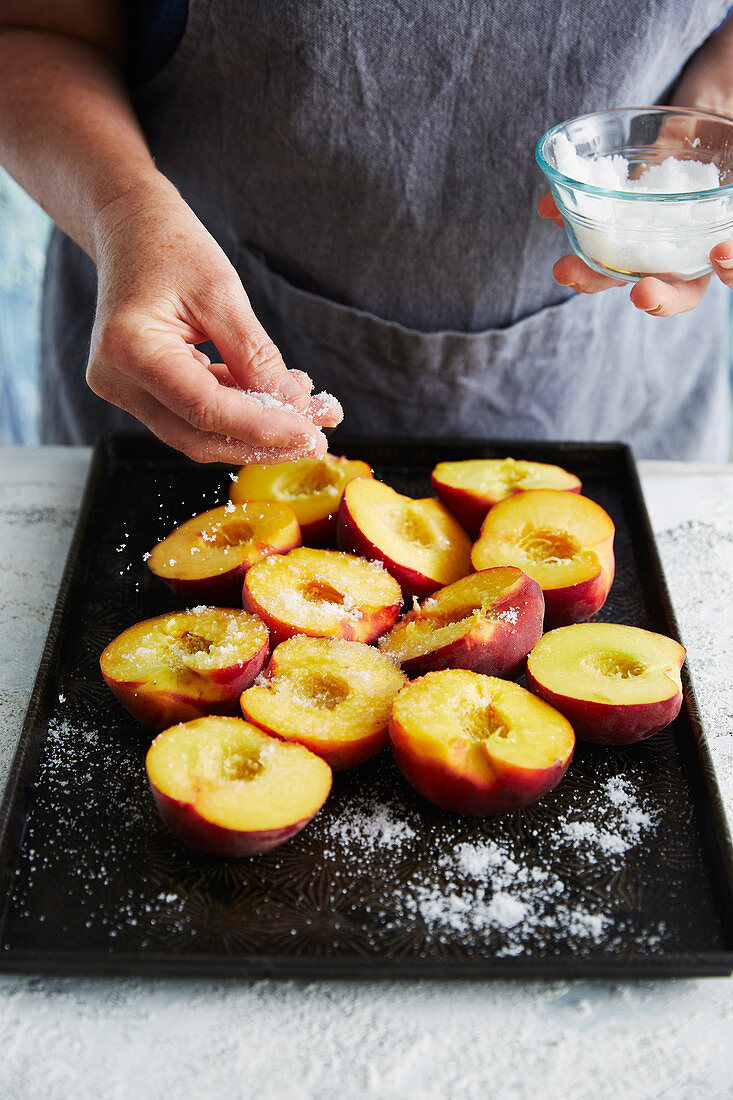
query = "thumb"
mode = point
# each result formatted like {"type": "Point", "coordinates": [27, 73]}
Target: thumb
{"type": "Point", "coordinates": [253, 360]}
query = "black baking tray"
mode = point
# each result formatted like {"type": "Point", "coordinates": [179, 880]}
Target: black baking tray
{"type": "Point", "coordinates": [624, 870]}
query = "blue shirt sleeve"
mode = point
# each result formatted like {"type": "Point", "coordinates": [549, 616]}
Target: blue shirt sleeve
{"type": "Point", "coordinates": [154, 30]}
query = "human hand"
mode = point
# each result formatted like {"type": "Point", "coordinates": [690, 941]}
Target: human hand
{"type": "Point", "coordinates": [650, 294]}
{"type": "Point", "coordinates": [164, 286]}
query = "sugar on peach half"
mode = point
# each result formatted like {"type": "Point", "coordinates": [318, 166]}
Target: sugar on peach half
{"type": "Point", "coordinates": [185, 664]}
{"type": "Point", "coordinates": [331, 695]}
{"type": "Point", "coordinates": [479, 745]}
{"type": "Point", "coordinates": [226, 788]}
{"type": "Point", "coordinates": [312, 487]}
{"type": "Point", "coordinates": [205, 558]}
{"type": "Point", "coordinates": [563, 540]}
{"type": "Point", "coordinates": [418, 541]}
{"type": "Point", "coordinates": [616, 684]}
{"type": "Point", "coordinates": [322, 593]}
{"type": "Point", "coordinates": [470, 488]}
{"type": "Point", "coordinates": [486, 622]}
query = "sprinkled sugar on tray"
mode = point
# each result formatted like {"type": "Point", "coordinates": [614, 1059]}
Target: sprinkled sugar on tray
{"type": "Point", "coordinates": [624, 869]}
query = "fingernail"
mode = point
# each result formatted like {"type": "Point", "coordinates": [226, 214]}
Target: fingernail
{"type": "Point", "coordinates": [303, 442]}
{"type": "Point", "coordinates": [303, 379]}
{"type": "Point", "coordinates": [289, 389]}
{"type": "Point", "coordinates": [653, 309]}
{"type": "Point", "coordinates": [726, 262]}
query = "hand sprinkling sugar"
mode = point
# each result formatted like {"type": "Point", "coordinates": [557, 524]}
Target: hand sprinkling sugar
{"type": "Point", "coordinates": [166, 286]}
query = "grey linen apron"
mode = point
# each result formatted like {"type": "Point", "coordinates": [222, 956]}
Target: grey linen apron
{"type": "Point", "coordinates": [369, 170]}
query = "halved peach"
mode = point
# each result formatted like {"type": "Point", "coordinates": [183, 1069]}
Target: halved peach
{"type": "Point", "coordinates": [312, 487]}
{"type": "Point", "coordinates": [205, 558]}
{"type": "Point", "coordinates": [469, 489]}
{"type": "Point", "coordinates": [476, 744]}
{"type": "Point", "coordinates": [225, 788]}
{"type": "Point", "coordinates": [419, 541]}
{"type": "Point", "coordinates": [563, 540]}
{"type": "Point", "coordinates": [616, 684]}
{"type": "Point", "coordinates": [185, 664]}
{"type": "Point", "coordinates": [323, 594]}
{"type": "Point", "coordinates": [486, 622]}
{"type": "Point", "coordinates": [330, 695]}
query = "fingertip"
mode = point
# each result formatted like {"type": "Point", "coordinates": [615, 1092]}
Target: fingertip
{"type": "Point", "coordinates": [303, 379]}
{"type": "Point", "coordinates": [648, 295]}
{"type": "Point", "coordinates": [721, 257]}
{"type": "Point", "coordinates": [307, 445]}
{"type": "Point", "coordinates": [565, 271]}
{"type": "Point", "coordinates": [324, 410]}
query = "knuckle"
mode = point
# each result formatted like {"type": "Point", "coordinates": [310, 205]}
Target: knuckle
{"type": "Point", "coordinates": [203, 413]}
{"type": "Point", "coordinates": [265, 361]}
{"type": "Point", "coordinates": [219, 290]}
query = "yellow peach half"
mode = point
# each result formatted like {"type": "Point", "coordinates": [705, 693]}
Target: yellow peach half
{"type": "Point", "coordinates": [331, 695]}
{"type": "Point", "coordinates": [185, 664]}
{"type": "Point", "coordinates": [205, 558]}
{"type": "Point", "coordinates": [312, 487]}
{"type": "Point", "coordinates": [418, 541]}
{"type": "Point", "coordinates": [470, 488]}
{"type": "Point", "coordinates": [322, 593]}
{"type": "Point", "coordinates": [486, 622]}
{"type": "Point", "coordinates": [616, 684]}
{"type": "Point", "coordinates": [563, 540]}
{"type": "Point", "coordinates": [475, 744]}
{"type": "Point", "coordinates": [226, 788]}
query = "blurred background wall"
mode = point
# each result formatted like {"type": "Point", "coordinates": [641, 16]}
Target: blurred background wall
{"type": "Point", "coordinates": [24, 231]}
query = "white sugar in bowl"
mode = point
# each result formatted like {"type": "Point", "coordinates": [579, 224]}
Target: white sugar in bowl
{"type": "Point", "coordinates": [643, 190]}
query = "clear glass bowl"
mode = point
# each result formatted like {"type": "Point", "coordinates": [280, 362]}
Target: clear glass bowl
{"type": "Point", "coordinates": [628, 234]}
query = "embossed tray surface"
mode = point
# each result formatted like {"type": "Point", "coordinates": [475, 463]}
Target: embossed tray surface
{"type": "Point", "coordinates": [623, 870]}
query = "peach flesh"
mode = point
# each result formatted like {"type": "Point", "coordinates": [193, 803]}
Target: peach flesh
{"type": "Point", "coordinates": [224, 787]}
{"type": "Point", "coordinates": [332, 696]}
{"type": "Point", "coordinates": [185, 664]}
{"type": "Point", "coordinates": [418, 541]}
{"type": "Point", "coordinates": [615, 684]}
{"type": "Point", "coordinates": [312, 487]}
{"type": "Point", "coordinates": [472, 487]}
{"type": "Point", "coordinates": [563, 540]}
{"type": "Point", "coordinates": [322, 593]}
{"type": "Point", "coordinates": [486, 622]}
{"type": "Point", "coordinates": [476, 744]}
{"type": "Point", "coordinates": [205, 558]}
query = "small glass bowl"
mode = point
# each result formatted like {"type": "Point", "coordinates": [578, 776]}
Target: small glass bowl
{"type": "Point", "coordinates": [631, 234]}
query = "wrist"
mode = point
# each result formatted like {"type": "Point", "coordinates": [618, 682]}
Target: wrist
{"type": "Point", "coordinates": [113, 207]}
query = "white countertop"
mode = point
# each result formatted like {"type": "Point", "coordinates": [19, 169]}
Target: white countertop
{"type": "Point", "coordinates": [121, 1038]}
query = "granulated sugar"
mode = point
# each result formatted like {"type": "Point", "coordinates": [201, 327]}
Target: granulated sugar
{"type": "Point", "coordinates": [640, 234]}
{"type": "Point", "coordinates": [369, 825]}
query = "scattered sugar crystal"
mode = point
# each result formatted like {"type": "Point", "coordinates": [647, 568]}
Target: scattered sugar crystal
{"type": "Point", "coordinates": [617, 791]}
{"type": "Point", "coordinates": [510, 615]}
{"type": "Point", "coordinates": [372, 825]}
{"type": "Point", "coordinates": [505, 910]}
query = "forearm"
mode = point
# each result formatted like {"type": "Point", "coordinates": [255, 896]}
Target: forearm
{"type": "Point", "coordinates": [707, 81]}
{"type": "Point", "coordinates": [68, 132]}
